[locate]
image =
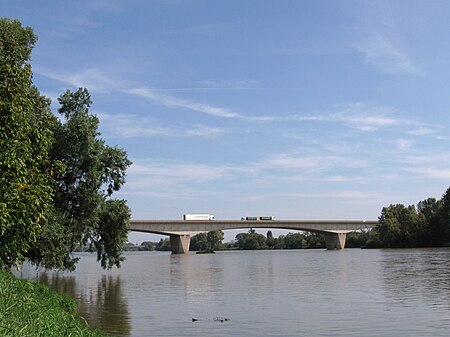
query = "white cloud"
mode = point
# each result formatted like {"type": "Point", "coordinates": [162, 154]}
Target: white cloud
{"type": "Point", "coordinates": [403, 144]}
{"type": "Point", "coordinates": [178, 173]}
{"type": "Point", "coordinates": [290, 162]}
{"type": "Point", "coordinates": [421, 131]}
{"type": "Point", "coordinates": [174, 102]}
{"type": "Point", "coordinates": [380, 52]}
{"type": "Point", "coordinates": [93, 79]}
{"type": "Point", "coordinates": [358, 115]}
{"type": "Point", "coordinates": [130, 126]}
{"type": "Point", "coordinates": [433, 173]}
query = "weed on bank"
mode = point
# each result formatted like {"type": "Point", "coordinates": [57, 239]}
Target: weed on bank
{"type": "Point", "coordinates": [30, 309]}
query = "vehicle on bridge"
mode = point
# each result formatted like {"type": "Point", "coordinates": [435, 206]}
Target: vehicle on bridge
{"type": "Point", "coordinates": [258, 218]}
{"type": "Point", "coordinates": [198, 217]}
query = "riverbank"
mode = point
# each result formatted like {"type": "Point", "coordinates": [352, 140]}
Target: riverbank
{"type": "Point", "coordinates": [30, 309]}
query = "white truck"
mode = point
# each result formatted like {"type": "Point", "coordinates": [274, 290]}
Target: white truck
{"type": "Point", "coordinates": [198, 217]}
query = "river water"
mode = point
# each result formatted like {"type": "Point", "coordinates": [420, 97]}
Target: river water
{"type": "Point", "coordinates": [352, 292]}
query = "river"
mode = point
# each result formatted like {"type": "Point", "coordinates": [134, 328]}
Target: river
{"type": "Point", "coordinates": [351, 292]}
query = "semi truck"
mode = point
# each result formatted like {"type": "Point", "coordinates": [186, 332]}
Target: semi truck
{"type": "Point", "coordinates": [198, 217]}
{"type": "Point", "coordinates": [258, 218]}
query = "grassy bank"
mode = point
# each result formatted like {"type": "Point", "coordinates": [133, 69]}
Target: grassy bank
{"type": "Point", "coordinates": [30, 309]}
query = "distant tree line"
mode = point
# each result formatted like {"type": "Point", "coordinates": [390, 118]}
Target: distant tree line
{"type": "Point", "coordinates": [253, 240]}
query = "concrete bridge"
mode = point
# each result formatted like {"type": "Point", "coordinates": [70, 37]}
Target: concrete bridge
{"type": "Point", "coordinates": [180, 232]}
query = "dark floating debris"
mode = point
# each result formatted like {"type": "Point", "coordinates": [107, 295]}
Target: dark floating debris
{"type": "Point", "coordinates": [215, 319]}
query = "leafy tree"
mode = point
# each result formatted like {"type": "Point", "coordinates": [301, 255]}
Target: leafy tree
{"type": "Point", "coordinates": [295, 241]}
{"type": "Point", "coordinates": [251, 240]}
{"type": "Point", "coordinates": [210, 240]}
{"type": "Point", "coordinates": [279, 242]}
{"type": "Point", "coordinates": [215, 239]}
{"type": "Point", "coordinates": [315, 240]}
{"type": "Point", "coordinates": [163, 244]}
{"type": "Point", "coordinates": [199, 242]}
{"type": "Point", "coordinates": [428, 211]}
{"type": "Point", "coordinates": [25, 141]}
{"type": "Point", "coordinates": [356, 239]}
{"type": "Point", "coordinates": [83, 211]}
{"type": "Point", "coordinates": [147, 245]}
{"type": "Point", "coordinates": [270, 240]}
{"type": "Point", "coordinates": [444, 218]}
{"type": "Point", "coordinates": [401, 226]}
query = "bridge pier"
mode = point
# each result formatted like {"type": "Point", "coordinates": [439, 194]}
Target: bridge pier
{"type": "Point", "coordinates": [335, 240]}
{"type": "Point", "coordinates": [180, 243]}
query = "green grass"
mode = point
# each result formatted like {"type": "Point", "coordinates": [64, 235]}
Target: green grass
{"type": "Point", "coordinates": [30, 309]}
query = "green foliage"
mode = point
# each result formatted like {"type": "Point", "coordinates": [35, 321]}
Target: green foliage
{"type": "Point", "coordinates": [270, 240]}
{"type": "Point", "coordinates": [29, 309]}
{"type": "Point", "coordinates": [25, 141]}
{"type": "Point", "coordinates": [199, 242]}
{"type": "Point", "coordinates": [399, 226]}
{"type": "Point", "coordinates": [111, 232]}
{"type": "Point", "coordinates": [163, 245]}
{"type": "Point", "coordinates": [408, 226]}
{"type": "Point", "coordinates": [295, 241]}
{"type": "Point", "coordinates": [253, 240]}
{"type": "Point", "coordinates": [91, 172]}
{"type": "Point", "coordinates": [148, 245]}
{"type": "Point", "coordinates": [204, 241]}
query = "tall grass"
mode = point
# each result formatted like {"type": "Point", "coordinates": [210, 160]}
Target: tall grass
{"type": "Point", "coordinates": [30, 309]}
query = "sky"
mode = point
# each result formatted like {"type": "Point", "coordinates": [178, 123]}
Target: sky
{"type": "Point", "coordinates": [297, 109]}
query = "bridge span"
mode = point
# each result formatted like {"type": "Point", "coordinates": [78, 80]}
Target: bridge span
{"type": "Point", "coordinates": [180, 231]}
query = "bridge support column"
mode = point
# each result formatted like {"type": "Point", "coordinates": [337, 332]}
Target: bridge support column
{"type": "Point", "coordinates": [335, 240]}
{"type": "Point", "coordinates": [180, 243]}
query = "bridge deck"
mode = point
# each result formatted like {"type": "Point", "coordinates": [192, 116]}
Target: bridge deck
{"type": "Point", "coordinates": [168, 227]}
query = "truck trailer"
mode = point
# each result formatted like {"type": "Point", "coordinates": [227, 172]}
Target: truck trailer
{"type": "Point", "coordinates": [198, 217]}
{"type": "Point", "coordinates": [258, 218]}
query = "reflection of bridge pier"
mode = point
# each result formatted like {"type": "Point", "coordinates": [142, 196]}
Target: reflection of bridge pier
{"type": "Point", "coordinates": [180, 232]}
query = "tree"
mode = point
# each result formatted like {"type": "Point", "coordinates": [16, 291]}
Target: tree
{"type": "Point", "coordinates": [83, 211]}
{"type": "Point", "coordinates": [400, 226]}
{"type": "Point", "coordinates": [25, 141]}
{"type": "Point", "coordinates": [199, 242]}
{"type": "Point", "coordinates": [270, 240]}
{"type": "Point", "coordinates": [315, 240]}
{"type": "Point", "coordinates": [251, 240]}
{"type": "Point", "coordinates": [295, 241]}
{"type": "Point", "coordinates": [164, 245]}
{"type": "Point", "coordinates": [210, 240]}
{"type": "Point", "coordinates": [215, 239]}
{"type": "Point", "coordinates": [444, 218]}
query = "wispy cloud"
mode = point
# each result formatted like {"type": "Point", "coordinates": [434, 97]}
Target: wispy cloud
{"type": "Point", "coordinates": [421, 131]}
{"type": "Point", "coordinates": [314, 163]}
{"type": "Point", "coordinates": [358, 115]}
{"type": "Point", "coordinates": [175, 102]}
{"type": "Point", "coordinates": [380, 52]}
{"type": "Point", "coordinates": [380, 39]}
{"type": "Point", "coordinates": [403, 144]}
{"type": "Point", "coordinates": [130, 126]}
{"type": "Point", "coordinates": [93, 79]}
{"type": "Point", "coordinates": [170, 173]}
{"type": "Point", "coordinates": [433, 173]}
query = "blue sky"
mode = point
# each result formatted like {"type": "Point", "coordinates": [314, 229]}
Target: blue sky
{"type": "Point", "coordinates": [297, 109]}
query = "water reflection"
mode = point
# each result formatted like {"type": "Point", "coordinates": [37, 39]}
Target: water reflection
{"type": "Point", "coordinates": [265, 293]}
{"type": "Point", "coordinates": [102, 305]}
